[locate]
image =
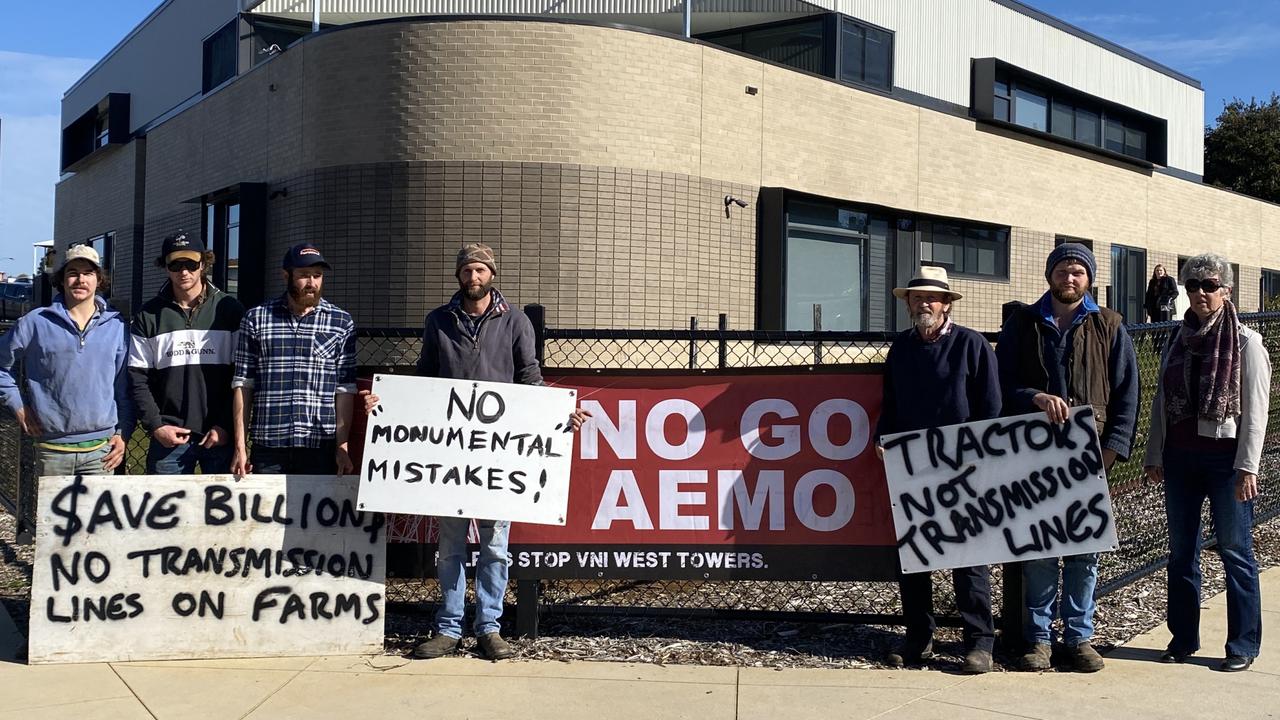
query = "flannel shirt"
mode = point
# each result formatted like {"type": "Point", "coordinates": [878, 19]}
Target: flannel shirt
{"type": "Point", "coordinates": [295, 366]}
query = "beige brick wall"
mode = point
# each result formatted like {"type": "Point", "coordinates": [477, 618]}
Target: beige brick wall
{"type": "Point", "coordinates": [596, 159]}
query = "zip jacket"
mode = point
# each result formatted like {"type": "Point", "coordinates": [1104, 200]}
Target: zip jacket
{"type": "Point", "coordinates": [181, 363]}
{"type": "Point", "coordinates": [497, 347]}
{"type": "Point", "coordinates": [75, 382]}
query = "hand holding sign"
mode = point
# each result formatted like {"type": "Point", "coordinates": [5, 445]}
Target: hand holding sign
{"type": "Point", "coordinates": [462, 448]}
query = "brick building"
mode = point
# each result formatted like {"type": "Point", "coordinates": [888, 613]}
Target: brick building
{"type": "Point", "coordinates": [595, 151]}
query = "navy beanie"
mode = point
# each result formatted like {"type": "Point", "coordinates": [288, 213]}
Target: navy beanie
{"type": "Point", "coordinates": [1072, 251]}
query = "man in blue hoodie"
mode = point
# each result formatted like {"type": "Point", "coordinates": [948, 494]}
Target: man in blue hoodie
{"type": "Point", "coordinates": [75, 399]}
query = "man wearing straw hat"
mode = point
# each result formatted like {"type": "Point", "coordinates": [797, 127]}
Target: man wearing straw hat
{"type": "Point", "coordinates": [939, 373]}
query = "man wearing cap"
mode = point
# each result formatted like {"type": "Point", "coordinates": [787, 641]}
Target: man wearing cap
{"type": "Point", "coordinates": [475, 336]}
{"type": "Point", "coordinates": [181, 362]}
{"type": "Point", "coordinates": [939, 373]}
{"type": "Point", "coordinates": [295, 366]}
{"type": "Point", "coordinates": [75, 400]}
{"type": "Point", "coordinates": [1057, 353]}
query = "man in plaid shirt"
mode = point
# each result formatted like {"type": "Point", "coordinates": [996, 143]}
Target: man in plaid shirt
{"type": "Point", "coordinates": [296, 367]}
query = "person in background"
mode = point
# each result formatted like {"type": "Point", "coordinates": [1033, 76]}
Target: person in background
{"type": "Point", "coordinates": [1208, 426]}
{"type": "Point", "coordinates": [1161, 293]}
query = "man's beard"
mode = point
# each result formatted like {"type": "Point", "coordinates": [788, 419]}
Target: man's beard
{"type": "Point", "coordinates": [925, 321]}
{"type": "Point", "coordinates": [303, 298]}
{"type": "Point", "coordinates": [1066, 295]}
{"type": "Point", "coordinates": [473, 292]}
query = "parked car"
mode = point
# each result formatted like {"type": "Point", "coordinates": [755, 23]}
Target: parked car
{"type": "Point", "coordinates": [15, 300]}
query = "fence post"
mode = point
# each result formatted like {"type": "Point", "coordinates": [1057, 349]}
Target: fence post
{"type": "Point", "coordinates": [817, 327]}
{"type": "Point", "coordinates": [724, 348]}
{"type": "Point", "coordinates": [528, 594]}
{"type": "Point", "coordinates": [538, 316]}
{"type": "Point", "coordinates": [693, 344]}
{"type": "Point", "coordinates": [1011, 608]}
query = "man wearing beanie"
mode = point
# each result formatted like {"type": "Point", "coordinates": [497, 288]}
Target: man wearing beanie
{"type": "Point", "coordinates": [939, 373]}
{"type": "Point", "coordinates": [1059, 352]}
{"type": "Point", "coordinates": [475, 336]}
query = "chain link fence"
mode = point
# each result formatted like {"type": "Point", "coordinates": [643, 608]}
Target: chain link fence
{"type": "Point", "coordinates": [1138, 505]}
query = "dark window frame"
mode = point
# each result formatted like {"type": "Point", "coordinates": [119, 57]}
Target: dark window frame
{"type": "Point", "coordinates": [832, 50]}
{"type": "Point", "coordinates": [1269, 280]}
{"type": "Point", "coordinates": [1136, 301]}
{"type": "Point", "coordinates": [104, 125]}
{"type": "Point", "coordinates": [104, 243]}
{"type": "Point", "coordinates": [987, 106]}
{"type": "Point", "coordinates": [210, 79]}
{"type": "Point", "coordinates": [962, 248]}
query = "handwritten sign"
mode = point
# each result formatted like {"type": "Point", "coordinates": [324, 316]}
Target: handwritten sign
{"type": "Point", "coordinates": [1009, 489]}
{"type": "Point", "coordinates": [493, 451]}
{"type": "Point", "coordinates": [204, 566]}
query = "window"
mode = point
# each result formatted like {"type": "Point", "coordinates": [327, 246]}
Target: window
{"type": "Point", "coordinates": [831, 44]}
{"type": "Point", "coordinates": [273, 31]}
{"type": "Point", "coordinates": [222, 236]}
{"type": "Point", "coordinates": [1059, 239]}
{"type": "Point", "coordinates": [1052, 110]}
{"type": "Point", "coordinates": [104, 124]}
{"type": "Point", "coordinates": [105, 245]}
{"type": "Point", "coordinates": [866, 54]}
{"type": "Point", "coordinates": [1269, 298]}
{"type": "Point", "coordinates": [826, 266]}
{"type": "Point", "coordinates": [101, 131]}
{"type": "Point", "coordinates": [220, 51]}
{"type": "Point", "coordinates": [1030, 109]}
{"type": "Point", "coordinates": [1128, 282]}
{"type": "Point", "coordinates": [965, 248]}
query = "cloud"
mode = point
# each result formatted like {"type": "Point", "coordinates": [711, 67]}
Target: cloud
{"type": "Point", "coordinates": [33, 84]}
{"type": "Point", "coordinates": [1190, 52]}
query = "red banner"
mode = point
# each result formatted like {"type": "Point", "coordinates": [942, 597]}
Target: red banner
{"type": "Point", "coordinates": [774, 465]}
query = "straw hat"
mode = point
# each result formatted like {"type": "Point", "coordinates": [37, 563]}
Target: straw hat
{"type": "Point", "coordinates": [928, 279]}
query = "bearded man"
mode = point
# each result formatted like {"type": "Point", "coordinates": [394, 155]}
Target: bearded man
{"type": "Point", "coordinates": [295, 366]}
{"type": "Point", "coordinates": [1060, 352]}
{"type": "Point", "coordinates": [939, 373]}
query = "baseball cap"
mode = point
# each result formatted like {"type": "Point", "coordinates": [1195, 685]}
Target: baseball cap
{"type": "Point", "coordinates": [180, 246]}
{"type": "Point", "coordinates": [303, 255]}
{"type": "Point", "coordinates": [81, 252]}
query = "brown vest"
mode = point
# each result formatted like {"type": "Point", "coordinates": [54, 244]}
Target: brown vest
{"type": "Point", "coordinates": [1088, 378]}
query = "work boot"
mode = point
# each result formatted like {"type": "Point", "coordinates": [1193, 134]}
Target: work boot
{"type": "Point", "coordinates": [1084, 658]}
{"type": "Point", "coordinates": [910, 653]}
{"type": "Point", "coordinates": [492, 646]}
{"type": "Point", "coordinates": [976, 662]}
{"type": "Point", "coordinates": [438, 646]}
{"type": "Point", "coordinates": [1037, 658]}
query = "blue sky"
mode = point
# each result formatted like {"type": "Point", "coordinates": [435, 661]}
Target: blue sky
{"type": "Point", "coordinates": [1231, 46]}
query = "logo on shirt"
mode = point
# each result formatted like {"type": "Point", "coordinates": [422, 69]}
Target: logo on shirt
{"type": "Point", "coordinates": [187, 348]}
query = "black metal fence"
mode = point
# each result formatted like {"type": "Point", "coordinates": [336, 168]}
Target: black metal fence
{"type": "Point", "coordinates": [1138, 506]}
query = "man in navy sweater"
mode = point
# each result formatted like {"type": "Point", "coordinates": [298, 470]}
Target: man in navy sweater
{"type": "Point", "coordinates": [939, 373]}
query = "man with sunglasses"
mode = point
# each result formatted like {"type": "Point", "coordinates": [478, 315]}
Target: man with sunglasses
{"type": "Point", "coordinates": [181, 363]}
{"type": "Point", "coordinates": [1057, 353]}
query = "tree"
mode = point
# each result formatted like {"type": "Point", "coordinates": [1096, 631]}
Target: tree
{"type": "Point", "coordinates": [1243, 152]}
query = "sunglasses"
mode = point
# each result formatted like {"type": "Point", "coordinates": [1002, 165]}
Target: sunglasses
{"type": "Point", "coordinates": [1209, 286]}
{"type": "Point", "coordinates": [180, 265]}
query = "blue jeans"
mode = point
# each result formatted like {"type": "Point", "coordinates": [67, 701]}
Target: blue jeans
{"type": "Point", "coordinates": [491, 574]}
{"type": "Point", "coordinates": [1189, 479]}
{"type": "Point", "coordinates": [53, 462]}
{"type": "Point", "coordinates": [1079, 578]}
{"type": "Point", "coordinates": [182, 459]}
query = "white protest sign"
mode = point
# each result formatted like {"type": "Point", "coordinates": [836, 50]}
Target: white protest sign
{"type": "Point", "coordinates": [1003, 490]}
{"type": "Point", "coordinates": [461, 448]}
{"type": "Point", "coordinates": [166, 567]}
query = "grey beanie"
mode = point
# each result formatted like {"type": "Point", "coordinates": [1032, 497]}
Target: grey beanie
{"type": "Point", "coordinates": [1072, 251]}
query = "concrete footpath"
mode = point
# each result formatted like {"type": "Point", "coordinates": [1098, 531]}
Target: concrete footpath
{"type": "Point", "coordinates": [1133, 686]}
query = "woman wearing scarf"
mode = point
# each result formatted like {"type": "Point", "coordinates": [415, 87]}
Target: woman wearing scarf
{"type": "Point", "coordinates": [1208, 421]}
